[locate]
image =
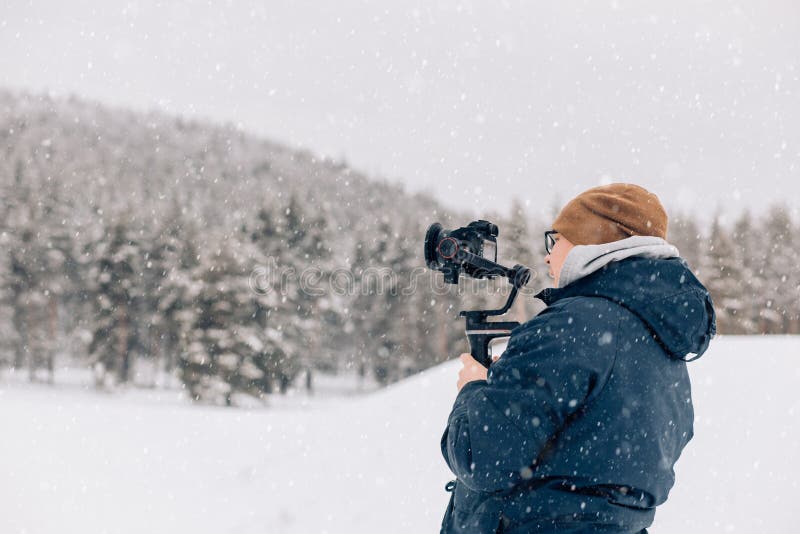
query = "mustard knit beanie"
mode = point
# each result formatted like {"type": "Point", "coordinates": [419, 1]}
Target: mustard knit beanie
{"type": "Point", "coordinates": [611, 212]}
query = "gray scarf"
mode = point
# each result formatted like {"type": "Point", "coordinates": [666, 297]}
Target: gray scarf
{"type": "Point", "coordinates": [583, 260]}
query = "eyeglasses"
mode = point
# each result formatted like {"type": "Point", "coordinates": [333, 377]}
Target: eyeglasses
{"type": "Point", "coordinates": [549, 240]}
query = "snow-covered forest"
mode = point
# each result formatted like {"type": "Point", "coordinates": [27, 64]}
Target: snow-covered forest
{"type": "Point", "coordinates": [157, 251]}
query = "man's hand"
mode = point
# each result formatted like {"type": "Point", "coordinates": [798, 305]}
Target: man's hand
{"type": "Point", "coordinates": [472, 370]}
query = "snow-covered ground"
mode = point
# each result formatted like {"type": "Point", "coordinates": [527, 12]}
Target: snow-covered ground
{"type": "Point", "coordinates": [75, 461]}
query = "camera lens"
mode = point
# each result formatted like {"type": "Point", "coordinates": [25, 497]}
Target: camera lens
{"type": "Point", "coordinates": [448, 248]}
{"type": "Point", "coordinates": [431, 245]}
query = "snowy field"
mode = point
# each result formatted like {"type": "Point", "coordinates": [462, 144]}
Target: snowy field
{"type": "Point", "coordinates": [74, 461]}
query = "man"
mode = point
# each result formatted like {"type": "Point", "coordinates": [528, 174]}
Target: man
{"type": "Point", "coordinates": [577, 427]}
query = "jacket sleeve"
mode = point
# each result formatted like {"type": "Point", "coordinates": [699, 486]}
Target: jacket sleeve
{"type": "Point", "coordinates": [553, 367]}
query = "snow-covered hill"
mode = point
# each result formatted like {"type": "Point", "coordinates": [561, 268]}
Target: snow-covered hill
{"type": "Point", "coordinates": [74, 461]}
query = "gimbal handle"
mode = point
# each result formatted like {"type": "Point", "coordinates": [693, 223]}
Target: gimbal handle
{"type": "Point", "coordinates": [480, 331]}
{"type": "Point", "coordinates": [481, 334]}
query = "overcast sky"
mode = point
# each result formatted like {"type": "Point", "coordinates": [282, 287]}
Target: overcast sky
{"type": "Point", "coordinates": [477, 102]}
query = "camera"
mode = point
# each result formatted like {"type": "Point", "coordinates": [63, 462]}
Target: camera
{"type": "Point", "coordinates": [450, 251]}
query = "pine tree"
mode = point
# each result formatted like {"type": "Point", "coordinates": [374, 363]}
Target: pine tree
{"type": "Point", "coordinates": [223, 354]}
{"type": "Point", "coordinates": [377, 315]}
{"type": "Point", "coordinates": [292, 245]}
{"type": "Point", "coordinates": [391, 307]}
{"type": "Point", "coordinates": [685, 234]}
{"type": "Point", "coordinates": [517, 250]}
{"type": "Point", "coordinates": [751, 273]}
{"type": "Point", "coordinates": [171, 260]}
{"type": "Point", "coordinates": [722, 274]}
{"type": "Point", "coordinates": [32, 300]}
{"type": "Point", "coordinates": [360, 311]}
{"type": "Point", "coordinates": [780, 260]}
{"type": "Point", "coordinates": [279, 302]}
{"type": "Point", "coordinates": [115, 273]}
{"type": "Point", "coordinates": [308, 242]}
{"type": "Point", "coordinates": [40, 272]}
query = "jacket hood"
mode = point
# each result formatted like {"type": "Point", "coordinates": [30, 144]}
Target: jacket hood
{"type": "Point", "coordinates": [583, 260]}
{"type": "Point", "coordinates": [662, 292]}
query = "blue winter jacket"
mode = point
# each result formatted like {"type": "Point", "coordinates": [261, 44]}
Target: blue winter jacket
{"type": "Point", "coordinates": [579, 424]}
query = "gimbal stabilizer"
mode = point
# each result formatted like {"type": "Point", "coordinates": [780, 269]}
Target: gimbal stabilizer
{"type": "Point", "coordinates": [462, 249]}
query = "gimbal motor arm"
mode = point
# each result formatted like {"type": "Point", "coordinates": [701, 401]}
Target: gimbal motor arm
{"type": "Point", "coordinates": [480, 331]}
